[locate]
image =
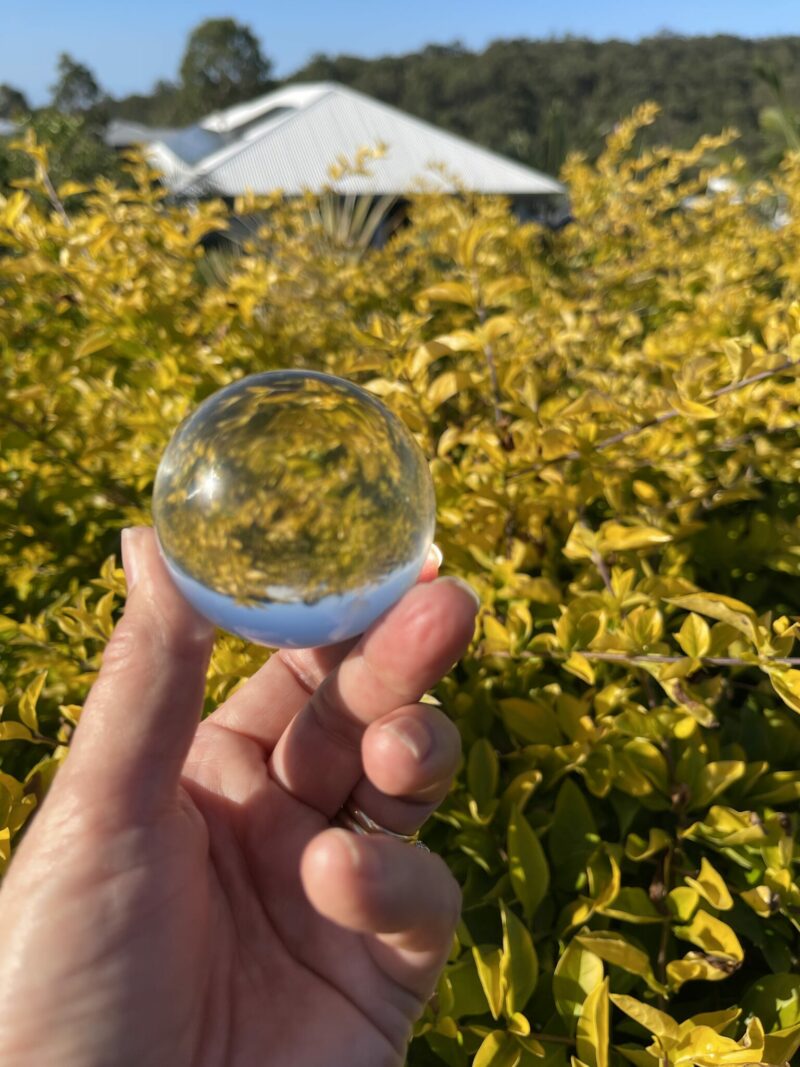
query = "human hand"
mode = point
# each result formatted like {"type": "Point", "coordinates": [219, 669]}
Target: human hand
{"type": "Point", "coordinates": [182, 897]}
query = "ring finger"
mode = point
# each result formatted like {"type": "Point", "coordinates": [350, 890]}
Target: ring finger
{"type": "Point", "coordinates": [409, 757]}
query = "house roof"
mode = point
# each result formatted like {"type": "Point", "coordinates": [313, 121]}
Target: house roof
{"type": "Point", "coordinates": [290, 139]}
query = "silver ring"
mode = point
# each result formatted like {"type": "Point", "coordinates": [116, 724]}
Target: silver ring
{"type": "Point", "coordinates": [353, 818]}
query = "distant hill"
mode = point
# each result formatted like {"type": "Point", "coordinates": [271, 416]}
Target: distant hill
{"type": "Point", "coordinates": [536, 100]}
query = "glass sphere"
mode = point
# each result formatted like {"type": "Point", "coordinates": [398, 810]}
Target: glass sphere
{"type": "Point", "coordinates": [293, 508]}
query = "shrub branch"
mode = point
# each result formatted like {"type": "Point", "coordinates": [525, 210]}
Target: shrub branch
{"type": "Point", "coordinates": [657, 420]}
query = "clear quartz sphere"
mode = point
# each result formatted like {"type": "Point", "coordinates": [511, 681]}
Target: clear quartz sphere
{"type": "Point", "coordinates": [293, 508]}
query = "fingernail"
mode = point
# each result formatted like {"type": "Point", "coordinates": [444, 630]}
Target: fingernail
{"type": "Point", "coordinates": [413, 733]}
{"type": "Point", "coordinates": [130, 562]}
{"type": "Point", "coordinates": [438, 554]}
{"type": "Point", "coordinates": [465, 586]}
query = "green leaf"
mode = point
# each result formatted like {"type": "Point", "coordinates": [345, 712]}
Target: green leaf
{"type": "Point", "coordinates": [532, 720]}
{"type": "Point", "coordinates": [572, 837]}
{"type": "Point", "coordinates": [714, 779]}
{"type": "Point", "coordinates": [775, 1000]}
{"type": "Point", "coordinates": [520, 965]}
{"type": "Point", "coordinates": [577, 973]}
{"type": "Point", "coordinates": [528, 868]}
{"type": "Point", "coordinates": [592, 1033]}
{"type": "Point", "coordinates": [483, 771]}
{"type": "Point", "coordinates": [633, 905]}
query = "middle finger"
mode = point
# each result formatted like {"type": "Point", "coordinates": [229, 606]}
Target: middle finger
{"type": "Point", "coordinates": [318, 758]}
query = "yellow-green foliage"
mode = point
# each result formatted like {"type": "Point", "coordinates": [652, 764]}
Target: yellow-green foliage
{"type": "Point", "coordinates": [611, 418]}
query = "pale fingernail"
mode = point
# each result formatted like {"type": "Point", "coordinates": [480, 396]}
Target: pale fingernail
{"type": "Point", "coordinates": [129, 541]}
{"type": "Point", "coordinates": [465, 586]}
{"type": "Point", "coordinates": [413, 733]}
{"type": "Point", "coordinates": [438, 555]}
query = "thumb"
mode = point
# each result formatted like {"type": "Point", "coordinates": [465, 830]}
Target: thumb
{"type": "Point", "coordinates": [142, 712]}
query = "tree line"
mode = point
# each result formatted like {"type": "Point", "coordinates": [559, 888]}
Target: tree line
{"type": "Point", "coordinates": [532, 100]}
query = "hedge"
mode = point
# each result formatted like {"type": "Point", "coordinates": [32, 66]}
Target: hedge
{"type": "Point", "coordinates": [610, 415]}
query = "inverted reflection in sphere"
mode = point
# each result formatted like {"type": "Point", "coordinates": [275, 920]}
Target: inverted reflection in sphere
{"type": "Point", "coordinates": [293, 508]}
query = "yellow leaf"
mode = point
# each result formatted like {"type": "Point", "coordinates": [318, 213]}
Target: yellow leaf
{"type": "Point", "coordinates": [694, 636]}
{"type": "Point", "coordinates": [656, 1022]}
{"type": "Point", "coordinates": [781, 1046]}
{"type": "Point", "coordinates": [449, 293]}
{"type": "Point", "coordinates": [614, 537]}
{"type": "Point", "coordinates": [29, 700]}
{"type": "Point", "coordinates": [498, 292]}
{"type": "Point", "coordinates": [582, 542]}
{"type": "Point", "coordinates": [683, 902]}
{"type": "Point", "coordinates": [498, 1049]}
{"type": "Point", "coordinates": [592, 1034]}
{"type": "Point", "coordinates": [577, 973]}
{"type": "Point", "coordinates": [446, 386]}
{"type": "Point", "coordinates": [488, 960]}
{"type": "Point", "coordinates": [613, 948]}
{"type": "Point", "coordinates": [711, 935]}
{"type": "Point", "coordinates": [711, 886]}
{"type": "Point", "coordinates": [580, 666]}
{"type": "Point", "coordinates": [724, 608]}
{"type": "Point", "coordinates": [786, 683]}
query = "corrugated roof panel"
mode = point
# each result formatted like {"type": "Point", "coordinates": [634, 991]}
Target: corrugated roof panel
{"type": "Point", "coordinates": [294, 155]}
{"type": "Point", "coordinates": [291, 96]}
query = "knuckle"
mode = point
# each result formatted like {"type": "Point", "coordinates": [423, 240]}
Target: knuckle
{"type": "Point", "coordinates": [125, 643]}
{"type": "Point", "coordinates": [335, 723]}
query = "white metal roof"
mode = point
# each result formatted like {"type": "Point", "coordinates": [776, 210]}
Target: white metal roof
{"type": "Point", "coordinates": [291, 96]}
{"type": "Point", "coordinates": [311, 126]}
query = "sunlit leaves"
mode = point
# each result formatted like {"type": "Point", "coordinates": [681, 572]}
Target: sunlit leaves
{"type": "Point", "coordinates": [624, 824]}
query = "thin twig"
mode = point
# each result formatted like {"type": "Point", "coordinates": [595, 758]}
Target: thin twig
{"type": "Point", "coordinates": [53, 196]}
{"type": "Point", "coordinates": [494, 382]}
{"type": "Point", "coordinates": [657, 420]}
{"type": "Point", "coordinates": [633, 661]}
{"type": "Point", "coordinates": [602, 569]}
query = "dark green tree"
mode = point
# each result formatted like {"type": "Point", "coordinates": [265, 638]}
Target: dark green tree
{"type": "Point", "coordinates": [223, 65]}
{"type": "Point", "coordinates": [76, 88]}
{"type": "Point", "coordinates": [13, 102]}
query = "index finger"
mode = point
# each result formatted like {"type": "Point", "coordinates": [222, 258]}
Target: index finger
{"type": "Point", "coordinates": [318, 757]}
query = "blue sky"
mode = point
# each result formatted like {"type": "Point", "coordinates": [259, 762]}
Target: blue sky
{"type": "Point", "coordinates": [131, 44]}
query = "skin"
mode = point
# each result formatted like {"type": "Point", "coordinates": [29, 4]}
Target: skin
{"type": "Point", "coordinates": [182, 898]}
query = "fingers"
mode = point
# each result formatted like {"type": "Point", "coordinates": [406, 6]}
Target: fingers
{"type": "Point", "coordinates": [264, 706]}
{"type": "Point", "coordinates": [404, 897]}
{"type": "Point", "coordinates": [318, 758]}
{"type": "Point", "coordinates": [409, 757]}
{"type": "Point", "coordinates": [143, 710]}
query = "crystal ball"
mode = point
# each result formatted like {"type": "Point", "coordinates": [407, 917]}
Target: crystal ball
{"type": "Point", "coordinates": [293, 508]}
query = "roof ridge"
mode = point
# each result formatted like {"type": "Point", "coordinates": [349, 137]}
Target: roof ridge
{"type": "Point", "coordinates": [231, 151]}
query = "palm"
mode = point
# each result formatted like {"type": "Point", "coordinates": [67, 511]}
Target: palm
{"type": "Point", "coordinates": [182, 898]}
{"type": "Point", "coordinates": [277, 950]}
